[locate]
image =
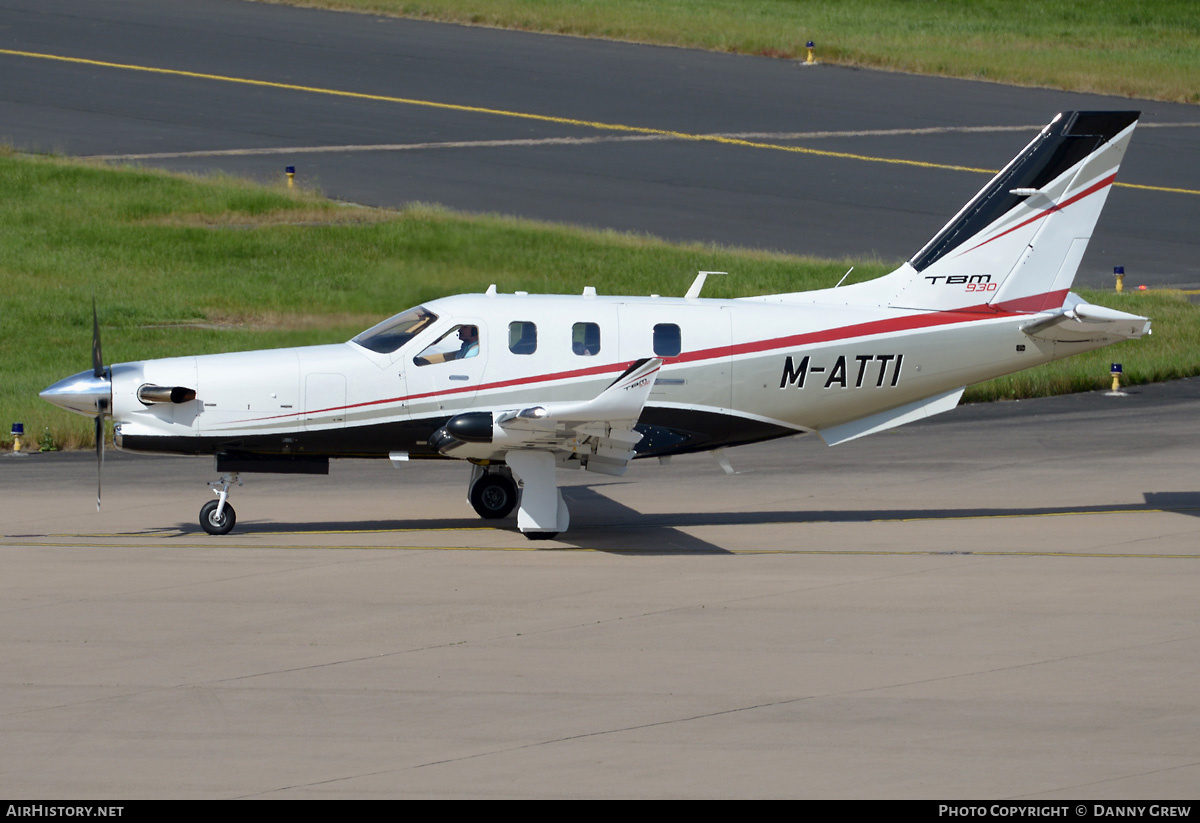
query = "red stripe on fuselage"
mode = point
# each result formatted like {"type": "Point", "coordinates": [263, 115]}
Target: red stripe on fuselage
{"type": "Point", "coordinates": [967, 314]}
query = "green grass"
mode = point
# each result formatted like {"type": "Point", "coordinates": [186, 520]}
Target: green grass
{"type": "Point", "coordinates": [1147, 49]}
{"type": "Point", "coordinates": [191, 266]}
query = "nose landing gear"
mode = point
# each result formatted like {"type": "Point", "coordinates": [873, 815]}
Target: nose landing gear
{"type": "Point", "coordinates": [217, 516]}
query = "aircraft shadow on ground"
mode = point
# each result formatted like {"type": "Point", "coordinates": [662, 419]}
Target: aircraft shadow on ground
{"type": "Point", "coordinates": [1180, 502]}
{"type": "Point", "coordinates": [602, 524]}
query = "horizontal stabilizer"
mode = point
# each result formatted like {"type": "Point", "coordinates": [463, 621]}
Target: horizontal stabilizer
{"type": "Point", "coordinates": [1077, 322]}
{"type": "Point", "coordinates": [893, 417]}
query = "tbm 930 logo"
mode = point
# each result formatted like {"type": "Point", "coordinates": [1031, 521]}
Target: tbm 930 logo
{"type": "Point", "coordinates": [861, 366]}
{"type": "Point", "coordinates": [973, 282]}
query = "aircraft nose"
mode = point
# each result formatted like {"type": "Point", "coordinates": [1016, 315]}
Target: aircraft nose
{"type": "Point", "coordinates": [83, 393]}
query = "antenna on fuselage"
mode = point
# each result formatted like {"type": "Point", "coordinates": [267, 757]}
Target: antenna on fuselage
{"type": "Point", "coordinates": [697, 284]}
{"type": "Point", "coordinates": [844, 276]}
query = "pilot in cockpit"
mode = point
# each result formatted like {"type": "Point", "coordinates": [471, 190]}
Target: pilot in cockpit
{"type": "Point", "coordinates": [441, 351]}
{"type": "Point", "coordinates": [469, 335]}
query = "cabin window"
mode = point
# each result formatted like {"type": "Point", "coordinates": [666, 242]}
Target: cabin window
{"type": "Point", "coordinates": [522, 337]}
{"type": "Point", "coordinates": [397, 330]}
{"type": "Point", "coordinates": [585, 339]}
{"type": "Point", "coordinates": [459, 343]}
{"type": "Point", "coordinates": [667, 341]}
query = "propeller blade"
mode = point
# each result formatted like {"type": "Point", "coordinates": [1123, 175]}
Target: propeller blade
{"type": "Point", "coordinates": [99, 455]}
{"type": "Point", "coordinates": [97, 356]}
{"type": "Point", "coordinates": [101, 405]}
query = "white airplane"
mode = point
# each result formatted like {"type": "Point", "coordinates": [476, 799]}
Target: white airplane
{"type": "Point", "coordinates": [521, 385]}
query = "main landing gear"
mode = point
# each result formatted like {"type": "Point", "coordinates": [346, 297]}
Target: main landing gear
{"type": "Point", "coordinates": [492, 492]}
{"type": "Point", "coordinates": [217, 516]}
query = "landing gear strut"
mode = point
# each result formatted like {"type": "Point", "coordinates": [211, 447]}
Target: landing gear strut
{"type": "Point", "coordinates": [217, 516]}
{"type": "Point", "coordinates": [543, 514]}
{"type": "Point", "coordinates": [493, 494]}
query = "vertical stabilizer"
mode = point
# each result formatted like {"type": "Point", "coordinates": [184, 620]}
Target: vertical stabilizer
{"type": "Point", "coordinates": [1017, 245]}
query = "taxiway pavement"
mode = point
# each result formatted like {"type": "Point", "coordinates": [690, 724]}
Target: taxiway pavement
{"type": "Point", "coordinates": [1000, 602]}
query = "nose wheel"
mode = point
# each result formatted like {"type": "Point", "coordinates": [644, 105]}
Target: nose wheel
{"type": "Point", "coordinates": [217, 516]}
{"type": "Point", "coordinates": [217, 520]}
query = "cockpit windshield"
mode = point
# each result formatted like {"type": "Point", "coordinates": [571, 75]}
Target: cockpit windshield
{"type": "Point", "coordinates": [394, 332]}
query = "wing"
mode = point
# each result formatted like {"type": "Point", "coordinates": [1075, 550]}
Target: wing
{"type": "Point", "coordinates": [599, 433]}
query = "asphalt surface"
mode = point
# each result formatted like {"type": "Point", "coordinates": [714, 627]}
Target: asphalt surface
{"type": "Point", "coordinates": [497, 161]}
{"type": "Point", "coordinates": [997, 603]}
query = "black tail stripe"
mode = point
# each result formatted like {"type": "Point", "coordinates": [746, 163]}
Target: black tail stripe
{"type": "Point", "coordinates": [1071, 137]}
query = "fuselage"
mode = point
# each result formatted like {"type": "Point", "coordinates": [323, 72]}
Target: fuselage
{"type": "Point", "coordinates": [734, 371]}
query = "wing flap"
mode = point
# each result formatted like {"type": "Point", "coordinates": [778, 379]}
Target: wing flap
{"type": "Point", "coordinates": [620, 402]}
{"type": "Point", "coordinates": [598, 433]}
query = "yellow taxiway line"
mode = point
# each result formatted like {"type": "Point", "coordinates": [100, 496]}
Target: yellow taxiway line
{"type": "Point", "coordinates": [545, 118]}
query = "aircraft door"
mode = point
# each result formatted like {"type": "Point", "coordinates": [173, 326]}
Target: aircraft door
{"type": "Point", "coordinates": [444, 368]}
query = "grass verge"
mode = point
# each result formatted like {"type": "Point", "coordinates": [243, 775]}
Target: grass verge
{"type": "Point", "coordinates": [190, 266]}
{"type": "Point", "coordinates": [1148, 49]}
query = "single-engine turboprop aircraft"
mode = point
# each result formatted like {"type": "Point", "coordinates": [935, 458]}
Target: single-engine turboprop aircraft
{"type": "Point", "coordinates": [521, 385]}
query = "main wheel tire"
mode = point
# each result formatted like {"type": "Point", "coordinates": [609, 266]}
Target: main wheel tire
{"type": "Point", "coordinates": [541, 535]}
{"type": "Point", "coordinates": [217, 525]}
{"type": "Point", "coordinates": [493, 496]}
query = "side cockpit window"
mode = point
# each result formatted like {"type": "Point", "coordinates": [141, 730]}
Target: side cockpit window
{"type": "Point", "coordinates": [391, 334]}
{"type": "Point", "coordinates": [522, 337]}
{"type": "Point", "coordinates": [667, 341]}
{"type": "Point", "coordinates": [460, 343]}
{"type": "Point", "coordinates": [585, 339]}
